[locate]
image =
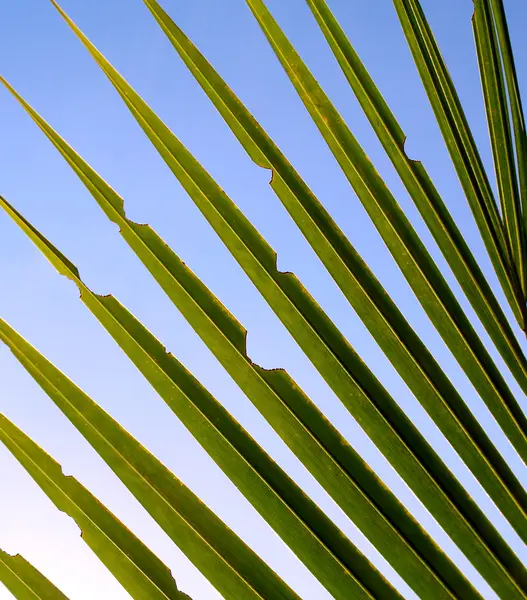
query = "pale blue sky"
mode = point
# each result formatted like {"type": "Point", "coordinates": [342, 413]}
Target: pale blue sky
{"type": "Point", "coordinates": [49, 67]}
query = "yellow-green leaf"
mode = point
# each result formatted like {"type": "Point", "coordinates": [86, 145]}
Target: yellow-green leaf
{"type": "Point", "coordinates": [413, 174]}
{"type": "Point", "coordinates": [461, 146]}
{"type": "Point", "coordinates": [307, 323]}
{"type": "Point", "coordinates": [409, 355]}
{"type": "Point", "coordinates": [138, 570]}
{"type": "Point", "coordinates": [227, 562]}
{"type": "Point", "coordinates": [301, 524]}
{"type": "Point", "coordinates": [24, 581]}
{"type": "Point", "coordinates": [339, 468]}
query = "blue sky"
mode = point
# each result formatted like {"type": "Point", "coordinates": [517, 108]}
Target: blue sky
{"type": "Point", "coordinates": [49, 67]}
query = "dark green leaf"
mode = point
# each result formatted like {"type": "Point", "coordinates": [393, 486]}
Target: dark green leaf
{"type": "Point", "coordinates": [518, 118]}
{"type": "Point", "coordinates": [495, 96]}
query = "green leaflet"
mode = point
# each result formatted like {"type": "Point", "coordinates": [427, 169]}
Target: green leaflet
{"type": "Point", "coordinates": [294, 306]}
{"type": "Point", "coordinates": [384, 436]}
{"type": "Point", "coordinates": [495, 96]}
{"type": "Point", "coordinates": [418, 267]}
{"type": "Point", "coordinates": [460, 143]}
{"type": "Point", "coordinates": [424, 194]}
{"type": "Point", "coordinates": [362, 496]}
{"type": "Point", "coordinates": [24, 581]}
{"type": "Point", "coordinates": [320, 230]}
{"type": "Point", "coordinates": [138, 570]}
{"type": "Point", "coordinates": [316, 334]}
{"type": "Point", "coordinates": [301, 524]}
{"type": "Point", "coordinates": [461, 146]}
{"type": "Point", "coordinates": [227, 562]}
{"type": "Point", "coordinates": [518, 119]}
{"type": "Point", "coordinates": [262, 483]}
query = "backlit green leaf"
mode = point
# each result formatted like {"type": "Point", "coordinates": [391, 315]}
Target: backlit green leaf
{"type": "Point", "coordinates": [186, 168]}
{"type": "Point", "coordinates": [496, 104]}
{"type": "Point", "coordinates": [461, 146]}
{"type": "Point", "coordinates": [415, 262]}
{"type": "Point", "coordinates": [138, 570]}
{"type": "Point", "coordinates": [361, 495]}
{"type": "Point", "coordinates": [518, 118]}
{"type": "Point", "coordinates": [229, 564]}
{"type": "Point", "coordinates": [363, 291]}
{"type": "Point", "coordinates": [95, 183]}
{"type": "Point", "coordinates": [24, 581]}
{"type": "Point", "coordinates": [423, 192]}
{"type": "Point", "coordinates": [232, 567]}
{"type": "Point", "coordinates": [301, 524]}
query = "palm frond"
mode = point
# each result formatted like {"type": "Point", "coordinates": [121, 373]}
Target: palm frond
{"type": "Point", "coordinates": [518, 119]}
{"type": "Point", "coordinates": [495, 97]}
{"type": "Point", "coordinates": [254, 252]}
{"type": "Point", "coordinates": [24, 581]}
{"type": "Point", "coordinates": [427, 199]}
{"type": "Point", "coordinates": [140, 572]}
{"type": "Point", "coordinates": [339, 565]}
{"type": "Point", "coordinates": [314, 538]}
{"type": "Point", "coordinates": [229, 564]}
{"type": "Point", "coordinates": [414, 260]}
{"type": "Point", "coordinates": [347, 478]}
{"type": "Point", "coordinates": [461, 146]}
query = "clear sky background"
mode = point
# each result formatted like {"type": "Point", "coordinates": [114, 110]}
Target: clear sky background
{"type": "Point", "coordinates": [43, 60]}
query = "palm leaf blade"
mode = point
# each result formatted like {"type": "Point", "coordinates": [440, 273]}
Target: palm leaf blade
{"type": "Point", "coordinates": [416, 264]}
{"type": "Point", "coordinates": [518, 118]}
{"type": "Point", "coordinates": [461, 146]}
{"type": "Point", "coordinates": [229, 564]}
{"type": "Point", "coordinates": [338, 564]}
{"type": "Point", "coordinates": [325, 346]}
{"type": "Point", "coordinates": [381, 433]}
{"type": "Point", "coordinates": [290, 187]}
{"type": "Point", "coordinates": [140, 572]}
{"type": "Point", "coordinates": [288, 299]}
{"type": "Point", "coordinates": [424, 194]}
{"type": "Point", "coordinates": [495, 97]}
{"type": "Point", "coordinates": [338, 467]}
{"type": "Point", "coordinates": [24, 581]}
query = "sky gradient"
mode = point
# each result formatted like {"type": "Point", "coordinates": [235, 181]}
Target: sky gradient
{"type": "Point", "coordinates": [49, 67]}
